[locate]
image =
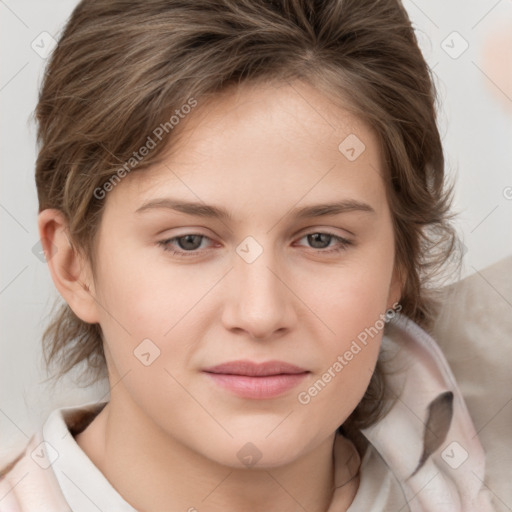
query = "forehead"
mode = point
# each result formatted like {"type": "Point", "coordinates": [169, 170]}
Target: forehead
{"type": "Point", "coordinates": [263, 140]}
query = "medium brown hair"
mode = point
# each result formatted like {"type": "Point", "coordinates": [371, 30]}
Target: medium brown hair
{"type": "Point", "coordinates": [122, 68]}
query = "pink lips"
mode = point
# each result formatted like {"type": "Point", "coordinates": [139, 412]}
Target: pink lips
{"type": "Point", "coordinates": [259, 381]}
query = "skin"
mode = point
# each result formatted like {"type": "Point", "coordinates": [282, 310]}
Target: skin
{"type": "Point", "coordinates": [169, 436]}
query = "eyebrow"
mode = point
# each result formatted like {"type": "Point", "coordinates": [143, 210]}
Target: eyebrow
{"type": "Point", "coordinates": [204, 210]}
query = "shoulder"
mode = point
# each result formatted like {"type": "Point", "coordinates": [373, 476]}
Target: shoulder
{"type": "Point", "coordinates": [28, 483]}
{"type": "Point", "coordinates": [31, 482]}
{"type": "Point", "coordinates": [474, 330]}
{"type": "Point", "coordinates": [8, 501]}
{"type": "Point", "coordinates": [443, 467]}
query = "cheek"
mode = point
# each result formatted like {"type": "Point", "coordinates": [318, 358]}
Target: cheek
{"type": "Point", "coordinates": [146, 297]}
{"type": "Point", "coordinates": [152, 308]}
{"type": "Point", "coordinates": [350, 303]}
{"type": "Point", "coordinates": [329, 398]}
{"type": "Point", "coordinates": [351, 297]}
{"type": "Point", "coordinates": [349, 350]}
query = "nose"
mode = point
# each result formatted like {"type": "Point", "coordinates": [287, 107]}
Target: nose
{"type": "Point", "coordinates": [260, 302]}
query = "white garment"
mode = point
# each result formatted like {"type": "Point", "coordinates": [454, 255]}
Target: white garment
{"type": "Point", "coordinates": [55, 475]}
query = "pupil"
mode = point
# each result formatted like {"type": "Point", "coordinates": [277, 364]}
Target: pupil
{"type": "Point", "coordinates": [322, 238]}
{"type": "Point", "coordinates": [189, 241]}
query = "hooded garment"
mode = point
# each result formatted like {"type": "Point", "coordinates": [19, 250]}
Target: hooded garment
{"type": "Point", "coordinates": [423, 456]}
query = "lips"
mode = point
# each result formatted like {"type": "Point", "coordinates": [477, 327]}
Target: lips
{"type": "Point", "coordinates": [259, 381]}
{"type": "Point", "coordinates": [251, 369]}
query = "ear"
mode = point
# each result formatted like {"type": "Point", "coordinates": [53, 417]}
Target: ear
{"type": "Point", "coordinates": [396, 286]}
{"type": "Point", "coordinates": [70, 271]}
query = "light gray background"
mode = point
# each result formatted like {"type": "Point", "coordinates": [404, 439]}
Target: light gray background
{"type": "Point", "coordinates": [474, 121]}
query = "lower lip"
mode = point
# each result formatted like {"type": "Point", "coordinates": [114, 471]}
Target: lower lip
{"type": "Point", "coordinates": [258, 387]}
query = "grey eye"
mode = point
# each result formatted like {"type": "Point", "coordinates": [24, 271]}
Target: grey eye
{"type": "Point", "coordinates": [319, 240]}
{"type": "Point", "coordinates": [189, 242]}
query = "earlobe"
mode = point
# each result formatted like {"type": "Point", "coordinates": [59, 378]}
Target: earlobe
{"type": "Point", "coordinates": [70, 271]}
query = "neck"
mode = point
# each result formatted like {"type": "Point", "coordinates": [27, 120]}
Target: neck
{"type": "Point", "coordinates": [154, 471]}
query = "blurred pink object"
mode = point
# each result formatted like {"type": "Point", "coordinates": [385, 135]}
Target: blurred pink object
{"type": "Point", "coordinates": [497, 63]}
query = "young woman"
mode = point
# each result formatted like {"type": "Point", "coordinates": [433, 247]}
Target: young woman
{"type": "Point", "coordinates": [242, 204]}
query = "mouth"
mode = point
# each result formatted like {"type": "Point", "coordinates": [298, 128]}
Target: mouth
{"type": "Point", "coordinates": [252, 369]}
{"type": "Point", "coordinates": [248, 379]}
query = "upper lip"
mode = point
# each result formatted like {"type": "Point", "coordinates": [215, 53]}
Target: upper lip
{"type": "Point", "coordinates": [252, 369]}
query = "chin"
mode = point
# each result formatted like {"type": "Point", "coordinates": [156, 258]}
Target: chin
{"type": "Point", "coordinates": [253, 450]}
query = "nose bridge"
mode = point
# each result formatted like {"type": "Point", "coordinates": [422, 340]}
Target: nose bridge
{"type": "Point", "coordinates": [258, 282]}
{"type": "Point", "coordinates": [259, 301]}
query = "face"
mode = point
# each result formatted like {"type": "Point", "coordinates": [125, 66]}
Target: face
{"type": "Point", "coordinates": [276, 277]}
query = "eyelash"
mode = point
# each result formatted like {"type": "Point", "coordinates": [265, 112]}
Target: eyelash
{"type": "Point", "coordinates": [343, 244]}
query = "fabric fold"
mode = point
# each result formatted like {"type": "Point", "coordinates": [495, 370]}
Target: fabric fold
{"type": "Point", "coordinates": [451, 479]}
